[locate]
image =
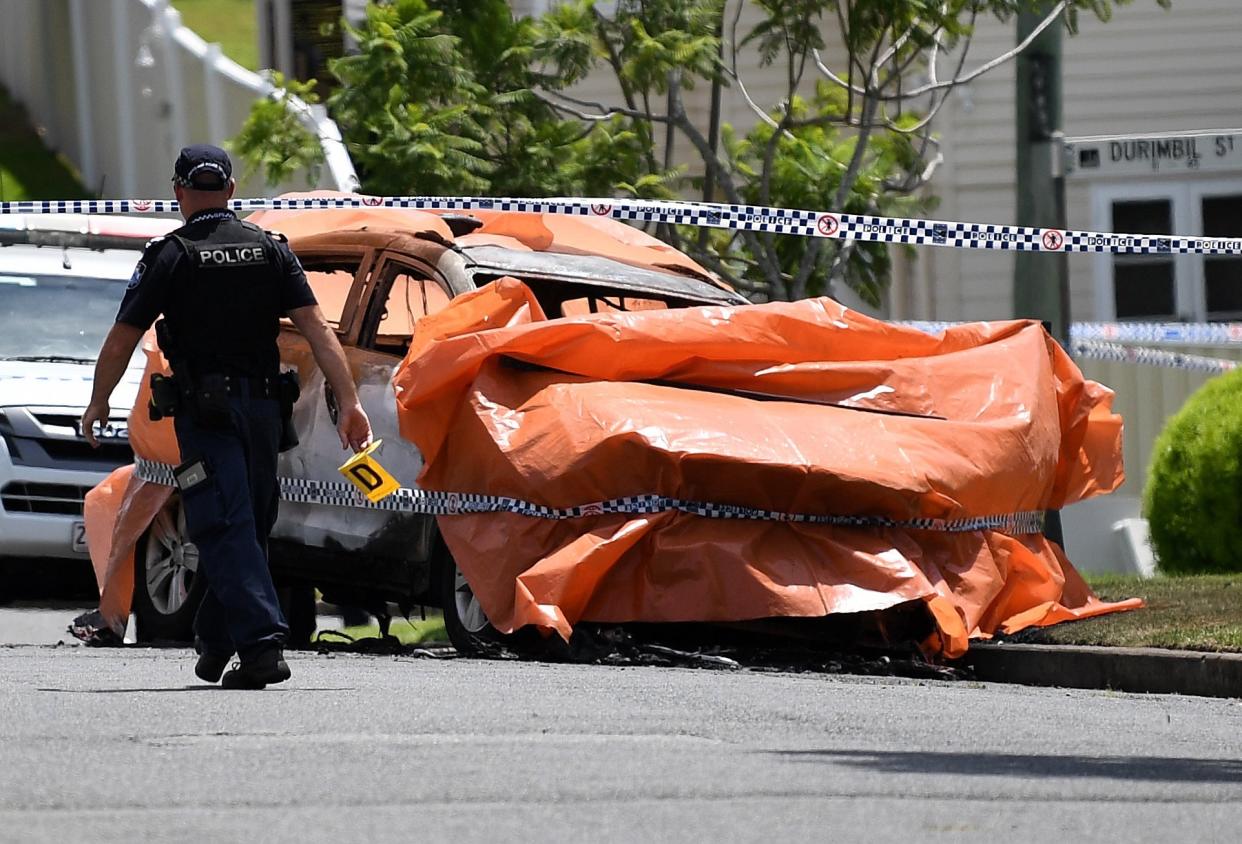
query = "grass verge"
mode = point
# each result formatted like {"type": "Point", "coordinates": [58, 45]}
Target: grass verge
{"type": "Point", "coordinates": [1201, 613]}
{"type": "Point", "coordinates": [230, 23]}
{"type": "Point", "coordinates": [28, 169]}
{"type": "Point", "coordinates": [413, 632]}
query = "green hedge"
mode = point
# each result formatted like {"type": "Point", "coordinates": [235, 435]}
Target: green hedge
{"type": "Point", "coordinates": [1193, 499]}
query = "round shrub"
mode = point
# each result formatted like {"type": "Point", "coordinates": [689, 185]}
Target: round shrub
{"type": "Point", "coordinates": [1193, 499]}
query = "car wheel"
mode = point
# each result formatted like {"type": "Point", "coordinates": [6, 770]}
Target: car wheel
{"type": "Point", "coordinates": [167, 591]}
{"type": "Point", "coordinates": [465, 621]}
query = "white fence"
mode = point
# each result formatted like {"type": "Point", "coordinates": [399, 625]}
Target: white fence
{"type": "Point", "coordinates": [1147, 396]}
{"type": "Point", "coordinates": [1104, 534]}
{"type": "Point", "coordinates": [119, 86]}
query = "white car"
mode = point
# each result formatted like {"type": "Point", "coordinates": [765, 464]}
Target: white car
{"type": "Point", "coordinates": [61, 281]}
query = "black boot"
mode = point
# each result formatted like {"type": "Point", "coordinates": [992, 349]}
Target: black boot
{"type": "Point", "coordinates": [265, 667]}
{"type": "Point", "coordinates": [210, 665]}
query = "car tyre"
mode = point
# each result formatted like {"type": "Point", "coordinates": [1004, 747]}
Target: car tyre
{"type": "Point", "coordinates": [465, 622]}
{"type": "Point", "coordinates": [167, 591]}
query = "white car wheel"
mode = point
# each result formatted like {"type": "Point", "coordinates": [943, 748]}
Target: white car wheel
{"type": "Point", "coordinates": [167, 590]}
{"type": "Point", "coordinates": [171, 562]}
{"type": "Point", "coordinates": [469, 610]}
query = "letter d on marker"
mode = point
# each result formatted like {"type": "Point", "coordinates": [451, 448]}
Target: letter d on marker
{"type": "Point", "coordinates": [365, 472]}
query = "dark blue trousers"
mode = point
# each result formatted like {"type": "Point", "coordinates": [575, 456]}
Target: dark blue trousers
{"type": "Point", "coordinates": [229, 518]}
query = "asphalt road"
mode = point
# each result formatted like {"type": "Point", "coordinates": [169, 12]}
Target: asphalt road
{"type": "Point", "coordinates": [38, 625]}
{"type": "Point", "coordinates": [103, 745]}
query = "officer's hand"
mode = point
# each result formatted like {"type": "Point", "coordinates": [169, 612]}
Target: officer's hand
{"type": "Point", "coordinates": [95, 412]}
{"type": "Point", "coordinates": [354, 427]}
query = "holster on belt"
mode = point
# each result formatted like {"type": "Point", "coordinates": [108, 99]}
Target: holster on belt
{"type": "Point", "coordinates": [167, 393]}
{"type": "Point", "coordinates": [165, 397]}
{"type": "Point", "coordinates": [289, 392]}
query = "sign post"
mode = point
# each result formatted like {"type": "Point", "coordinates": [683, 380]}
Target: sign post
{"type": "Point", "coordinates": [1041, 284]}
{"type": "Point", "coordinates": [1041, 279]}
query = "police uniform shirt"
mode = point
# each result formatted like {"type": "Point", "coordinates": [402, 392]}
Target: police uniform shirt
{"type": "Point", "coordinates": [223, 304]}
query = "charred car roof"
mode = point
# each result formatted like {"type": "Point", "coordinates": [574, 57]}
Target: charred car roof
{"type": "Point", "coordinates": [483, 259]}
{"type": "Point", "coordinates": [594, 269]}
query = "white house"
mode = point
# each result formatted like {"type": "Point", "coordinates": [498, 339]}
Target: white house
{"type": "Point", "coordinates": [1147, 71]}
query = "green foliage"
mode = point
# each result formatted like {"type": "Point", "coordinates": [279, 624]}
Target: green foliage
{"type": "Point", "coordinates": [1193, 499]}
{"type": "Point", "coordinates": [274, 141]}
{"type": "Point", "coordinates": [809, 161]}
{"type": "Point", "coordinates": [458, 97]}
{"type": "Point", "coordinates": [405, 104]}
{"type": "Point", "coordinates": [440, 100]}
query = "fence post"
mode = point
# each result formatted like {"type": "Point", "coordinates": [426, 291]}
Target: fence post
{"type": "Point", "coordinates": [263, 31]}
{"type": "Point", "coordinates": [284, 37]}
{"type": "Point", "coordinates": [82, 96]}
{"type": "Point", "coordinates": [214, 94]}
{"type": "Point", "coordinates": [168, 21]}
{"type": "Point", "coordinates": [336, 156]}
{"type": "Point", "coordinates": [123, 80]}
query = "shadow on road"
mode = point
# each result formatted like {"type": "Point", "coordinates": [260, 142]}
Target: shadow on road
{"type": "Point", "coordinates": [1146, 768]}
{"type": "Point", "coordinates": [203, 688]}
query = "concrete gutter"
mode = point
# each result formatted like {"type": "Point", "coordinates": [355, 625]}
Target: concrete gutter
{"type": "Point", "coordinates": [1141, 670]}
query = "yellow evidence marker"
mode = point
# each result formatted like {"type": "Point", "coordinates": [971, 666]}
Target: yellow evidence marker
{"type": "Point", "coordinates": [365, 472]}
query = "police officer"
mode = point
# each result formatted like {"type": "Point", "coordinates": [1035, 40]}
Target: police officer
{"type": "Point", "coordinates": [222, 285]}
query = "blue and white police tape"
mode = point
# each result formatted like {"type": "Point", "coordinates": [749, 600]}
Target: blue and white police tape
{"type": "Point", "coordinates": [1168, 333]}
{"type": "Point", "coordinates": [1103, 341]}
{"type": "Point", "coordinates": [1101, 350]}
{"type": "Point", "coordinates": [407, 500]}
{"type": "Point", "coordinates": [755, 218]}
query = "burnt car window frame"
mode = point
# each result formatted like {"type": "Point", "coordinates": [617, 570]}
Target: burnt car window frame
{"type": "Point", "coordinates": [387, 267]}
{"type": "Point", "coordinates": [363, 260]}
{"type": "Point", "coordinates": [552, 292]}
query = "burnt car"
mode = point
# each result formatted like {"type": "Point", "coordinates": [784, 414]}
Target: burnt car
{"type": "Point", "coordinates": [589, 428]}
{"type": "Point", "coordinates": [375, 274]}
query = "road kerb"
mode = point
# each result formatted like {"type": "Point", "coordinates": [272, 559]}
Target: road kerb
{"type": "Point", "coordinates": [1142, 670]}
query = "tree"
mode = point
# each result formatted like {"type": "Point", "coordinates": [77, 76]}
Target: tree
{"type": "Point", "coordinates": [273, 140]}
{"type": "Point", "coordinates": [445, 99]}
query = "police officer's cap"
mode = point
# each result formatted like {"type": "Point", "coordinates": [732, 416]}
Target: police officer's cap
{"type": "Point", "coordinates": [203, 167]}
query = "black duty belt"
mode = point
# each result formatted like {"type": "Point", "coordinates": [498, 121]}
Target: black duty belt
{"type": "Point", "coordinates": [255, 388]}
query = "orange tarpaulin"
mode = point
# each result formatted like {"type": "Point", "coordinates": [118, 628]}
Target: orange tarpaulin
{"type": "Point", "coordinates": [762, 406]}
{"type": "Point", "coordinates": [119, 509]}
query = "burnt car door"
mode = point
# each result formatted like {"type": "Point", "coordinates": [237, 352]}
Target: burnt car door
{"type": "Point", "coordinates": [325, 534]}
{"type": "Point", "coordinates": [405, 288]}
{"type": "Point", "coordinates": [339, 275]}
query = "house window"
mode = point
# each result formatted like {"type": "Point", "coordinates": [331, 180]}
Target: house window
{"type": "Point", "coordinates": [1156, 287]}
{"type": "Point", "coordinates": [1222, 274]}
{"type": "Point", "coordinates": [1144, 286]}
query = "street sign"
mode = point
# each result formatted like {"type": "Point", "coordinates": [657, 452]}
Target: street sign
{"type": "Point", "coordinates": [1147, 155]}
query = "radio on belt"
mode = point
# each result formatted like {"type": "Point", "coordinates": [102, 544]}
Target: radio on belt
{"type": "Point", "coordinates": [364, 471]}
